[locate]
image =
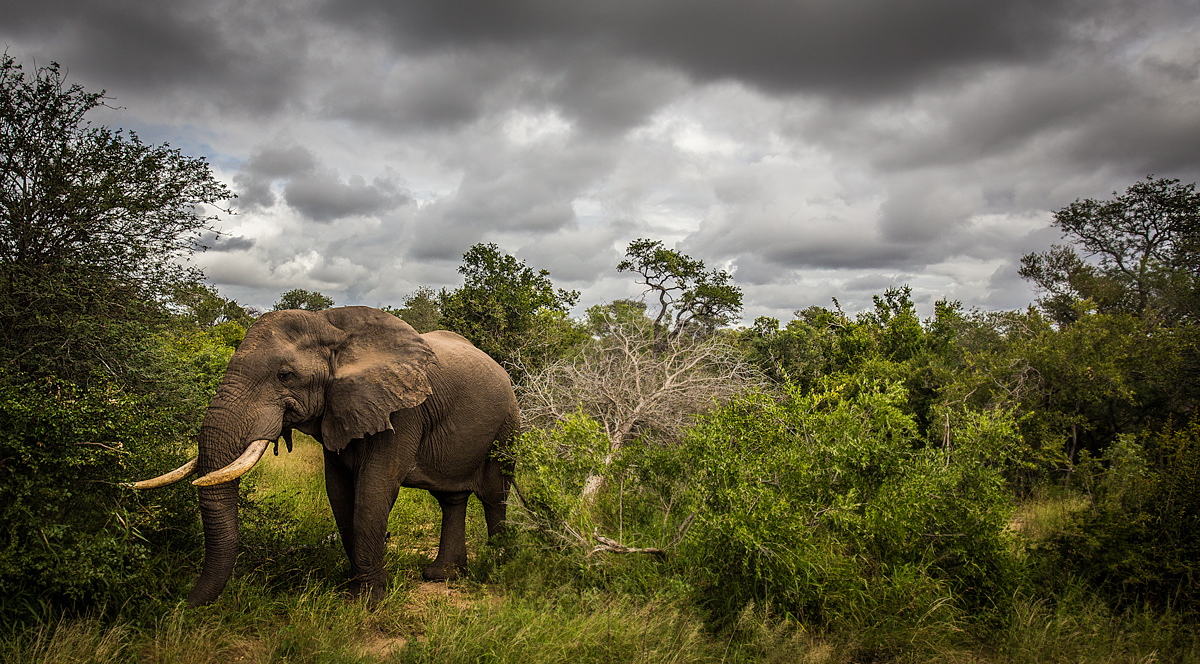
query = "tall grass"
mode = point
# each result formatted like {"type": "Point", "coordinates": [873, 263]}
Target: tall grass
{"type": "Point", "coordinates": [527, 603]}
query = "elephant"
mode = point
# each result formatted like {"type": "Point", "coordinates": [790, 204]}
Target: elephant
{"type": "Point", "coordinates": [391, 408]}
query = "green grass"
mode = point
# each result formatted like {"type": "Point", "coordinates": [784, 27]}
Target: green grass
{"type": "Point", "coordinates": [1040, 517]}
{"type": "Point", "coordinates": [528, 605]}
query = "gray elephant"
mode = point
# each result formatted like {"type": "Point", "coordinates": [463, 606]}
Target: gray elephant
{"type": "Point", "coordinates": [391, 407]}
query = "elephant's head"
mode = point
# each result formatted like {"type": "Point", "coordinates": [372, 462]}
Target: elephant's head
{"type": "Point", "coordinates": [338, 374]}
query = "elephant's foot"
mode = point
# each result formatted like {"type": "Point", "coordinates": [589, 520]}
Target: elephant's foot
{"type": "Point", "coordinates": [370, 591]}
{"type": "Point", "coordinates": [439, 571]}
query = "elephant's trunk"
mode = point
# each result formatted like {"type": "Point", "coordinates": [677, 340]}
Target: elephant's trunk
{"type": "Point", "coordinates": [223, 437]}
{"type": "Point", "coordinates": [219, 512]}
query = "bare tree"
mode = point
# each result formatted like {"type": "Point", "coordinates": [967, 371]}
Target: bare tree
{"type": "Point", "coordinates": [630, 389]}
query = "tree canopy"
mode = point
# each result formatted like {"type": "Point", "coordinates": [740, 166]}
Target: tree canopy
{"type": "Point", "coordinates": [687, 294]}
{"type": "Point", "coordinates": [95, 386]}
{"type": "Point", "coordinates": [94, 225]}
{"type": "Point", "coordinates": [298, 298]}
{"type": "Point", "coordinates": [1139, 253]}
{"type": "Point", "coordinates": [509, 310]}
{"type": "Point", "coordinates": [420, 310]}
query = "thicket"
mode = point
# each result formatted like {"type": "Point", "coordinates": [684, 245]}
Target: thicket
{"type": "Point", "coordinates": [95, 387]}
{"type": "Point", "coordinates": [1138, 540]}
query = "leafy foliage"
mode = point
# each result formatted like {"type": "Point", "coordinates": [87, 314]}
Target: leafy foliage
{"type": "Point", "coordinates": [1144, 247]}
{"type": "Point", "coordinates": [509, 310]}
{"type": "Point", "coordinates": [92, 224]}
{"type": "Point", "coordinates": [688, 296]}
{"type": "Point", "coordinates": [73, 533]}
{"type": "Point", "coordinates": [420, 310]}
{"type": "Point", "coordinates": [1140, 541]}
{"type": "Point", "coordinates": [824, 506]}
{"type": "Point", "coordinates": [202, 306]}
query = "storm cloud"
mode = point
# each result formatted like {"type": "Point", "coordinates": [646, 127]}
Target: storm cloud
{"type": "Point", "coordinates": [816, 149]}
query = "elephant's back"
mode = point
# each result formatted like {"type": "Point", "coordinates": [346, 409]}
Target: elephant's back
{"type": "Point", "coordinates": [446, 336]}
{"type": "Point", "coordinates": [467, 377]}
{"type": "Point", "coordinates": [460, 358]}
{"type": "Point", "coordinates": [472, 407]}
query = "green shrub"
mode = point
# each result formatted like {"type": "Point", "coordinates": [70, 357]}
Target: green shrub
{"type": "Point", "coordinates": [72, 532]}
{"type": "Point", "coordinates": [1140, 541]}
{"type": "Point", "coordinates": [553, 466]}
{"type": "Point", "coordinates": [828, 507]}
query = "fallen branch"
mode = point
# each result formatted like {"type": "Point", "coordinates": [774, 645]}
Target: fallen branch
{"type": "Point", "coordinates": [613, 546]}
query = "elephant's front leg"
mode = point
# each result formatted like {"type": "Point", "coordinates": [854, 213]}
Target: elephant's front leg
{"type": "Point", "coordinates": [377, 468]}
{"type": "Point", "coordinates": [452, 551]}
{"type": "Point", "coordinates": [339, 485]}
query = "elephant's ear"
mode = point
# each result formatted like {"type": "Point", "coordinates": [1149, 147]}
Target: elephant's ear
{"type": "Point", "coordinates": [379, 367]}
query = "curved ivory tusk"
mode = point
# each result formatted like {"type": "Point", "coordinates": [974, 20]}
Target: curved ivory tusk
{"type": "Point", "coordinates": [236, 469]}
{"type": "Point", "coordinates": [169, 478]}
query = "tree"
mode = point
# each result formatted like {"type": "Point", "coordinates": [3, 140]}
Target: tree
{"type": "Point", "coordinates": [94, 225]}
{"type": "Point", "coordinates": [688, 296]}
{"type": "Point", "coordinates": [509, 310]}
{"type": "Point", "coordinates": [298, 298]}
{"type": "Point", "coordinates": [204, 307]}
{"type": "Point", "coordinates": [1143, 250]}
{"type": "Point", "coordinates": [420, 310]}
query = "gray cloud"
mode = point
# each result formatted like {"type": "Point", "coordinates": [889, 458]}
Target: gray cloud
{"type": "Point", "coordinates": [817, 148]}
{"type": "Point", "coordinates": [236, 55]}
{"type": "Point", "coordinates": [510, 187]}
{"type": "Point", "coordinates": [860, 48]}
{"type": "Point", "coordinates": [323, 196]}
{"type": "Point", "coordinates": [316, 192]}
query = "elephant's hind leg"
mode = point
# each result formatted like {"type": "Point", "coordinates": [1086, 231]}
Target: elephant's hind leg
{"type": "Point", "coordinates": [494, 496]}
{"type": "Point", "coordinates": [452, 551]}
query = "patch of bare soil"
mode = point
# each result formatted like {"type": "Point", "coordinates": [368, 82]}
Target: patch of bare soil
{"type": "Point", "coordinates": [427, 591]}
{"type": "Point", "coordinates": [381, 645]}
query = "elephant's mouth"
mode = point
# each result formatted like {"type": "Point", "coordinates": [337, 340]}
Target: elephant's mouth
{"type": "Point", "coordinates": [292, 414]}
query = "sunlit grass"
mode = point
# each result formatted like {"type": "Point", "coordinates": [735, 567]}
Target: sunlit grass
{"type": "Point", "coordinates": [1042, 515]}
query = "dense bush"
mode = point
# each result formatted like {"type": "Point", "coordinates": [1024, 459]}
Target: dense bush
{"type": "Point", "coordinates": [825, 506]}
{"type": "Point", "coordinates": [1140, 539]}
{"type": "Point", "coordinates": [829, 506]}
{"type": "Point", "coordinates": [72, 532]}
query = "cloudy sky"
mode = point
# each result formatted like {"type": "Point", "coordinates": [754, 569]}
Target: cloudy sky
{"type": "Point", "coordinates": [814, 148]}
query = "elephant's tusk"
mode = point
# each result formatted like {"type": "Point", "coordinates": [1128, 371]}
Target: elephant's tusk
{"type": "Point", "coordinates": [236, 469]}
{"type": "Point", "coordinates": [169, 478]}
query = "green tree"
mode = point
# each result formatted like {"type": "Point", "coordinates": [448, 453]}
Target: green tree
{"type": "Point", "coordinates": [93, 226]}
{"type": "Point", "coordinates": [509, 310]}
{"type": "Point", "coordinates": [1140, 250]}
{"type": "Point", "coordinates": [420, 310]}
{"type": "Point", "coordinates": [298, 298]}
{"type": "Point", "coordinates": [202, 306]}
{"type": "Point", "coordinates": [689, 297]}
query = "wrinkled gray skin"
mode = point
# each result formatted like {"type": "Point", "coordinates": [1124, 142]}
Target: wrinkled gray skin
{"type": "Point", "coordinates": [391, 407]}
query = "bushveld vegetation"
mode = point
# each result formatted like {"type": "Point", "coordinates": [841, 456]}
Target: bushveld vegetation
{"type": "Point", "coordinates": [971, 486]}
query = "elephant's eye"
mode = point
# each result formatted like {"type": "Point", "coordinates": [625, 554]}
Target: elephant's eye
{"type": "Point", "coordinates": [284, 374]}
